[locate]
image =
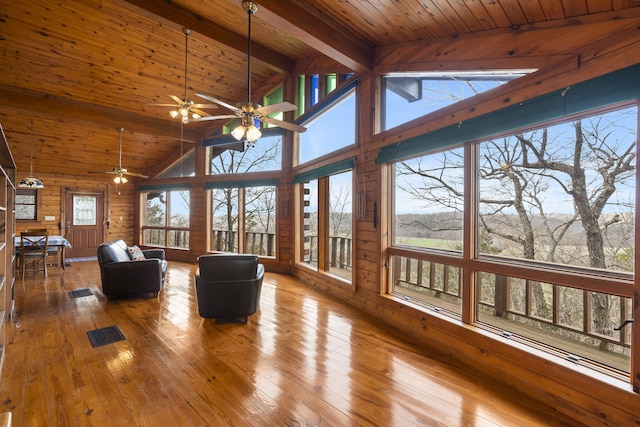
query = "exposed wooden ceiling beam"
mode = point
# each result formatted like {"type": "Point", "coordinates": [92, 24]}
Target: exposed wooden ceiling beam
{"type": "Point", "coordinates": [312, 27]}
{"type": "Point", "coordinates": [182, 17]}
{"type": "Point", "coordinates": [44, 104]}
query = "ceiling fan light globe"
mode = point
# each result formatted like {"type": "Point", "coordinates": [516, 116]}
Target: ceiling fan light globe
{"type": "Point", "coordinates": [185, 119]}
{"type": "Point", "coordinates": [173, 114]}
{"type": "Point", "coordinates": [184, 112]}
{"type": "Point", "coordinates": [238, 133]}
{"type": "Point", "coordinates": [195, 116]}
{"type": "Point", "coordinates": [253, 134]}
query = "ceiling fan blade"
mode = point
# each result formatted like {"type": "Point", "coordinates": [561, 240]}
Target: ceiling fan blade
{"type": "Point", "coordinates": [175, 98]}
{"type": "Point", "coordinates": [276, 108]}
{"type": "Point", "coordinates": [285, 125]}
{"type": "Point", "coordinates": [135, 174]}
{"type": "Point", "coordinates": [201, 119]}
{"type": "Point", "coordinates": [204, 106]}
{"type": "Point", "coordinates": [164, 105]}
{"type": "Point", "coordinates": [199, 111]}
{"type": "Point", "coordinates": [109, 172]}
{"type": "Point", "coordinates": [217, 101]}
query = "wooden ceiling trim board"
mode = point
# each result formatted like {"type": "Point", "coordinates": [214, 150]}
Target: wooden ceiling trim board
{"type": "Point", "coordinates": [176, 15]}
{"type": "Point", "coordinates": [621, 36]}
{"type": "Point", "coordinates": [339, 44]}
{"type": "Point", "coordinates": [320, 65]}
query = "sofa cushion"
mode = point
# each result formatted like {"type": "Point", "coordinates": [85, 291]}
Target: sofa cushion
{"type": "Point", "coordinates": [135, 253]}
{"type": "Point", "coordinates": [114, 251]}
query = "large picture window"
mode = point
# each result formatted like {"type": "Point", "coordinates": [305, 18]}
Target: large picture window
{"type": "Point", "coordinates": [166, 218]}
{"type": "Point", "coordinates": [244, 217]}
{"type": "Point", "coordinates": [331, 127]}
{"type": "Point", "coordinates": [227, 156]}
{"type": "Point", "coordinates": [327, 223]}
{"type": "Point", "coordinates": [408, 96]}
{"type": "Point", "coordinates": [555, 203]}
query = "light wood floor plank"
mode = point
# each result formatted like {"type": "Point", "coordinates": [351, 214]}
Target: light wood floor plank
{"type": "Point", "coordinates": [304, 359]}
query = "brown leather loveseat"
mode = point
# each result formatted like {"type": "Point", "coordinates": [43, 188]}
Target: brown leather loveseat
{"type": "Point", "coordinates": [124, 277]}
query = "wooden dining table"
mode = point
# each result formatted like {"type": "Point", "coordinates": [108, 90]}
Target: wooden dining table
{"type": "Point", "coordinates": [59, 242]}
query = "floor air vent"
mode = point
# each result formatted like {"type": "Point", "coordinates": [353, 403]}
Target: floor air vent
{"type": "Point", "coordinates": [80, 293]}
{"type": "Point", "coordinates": [104, 336]}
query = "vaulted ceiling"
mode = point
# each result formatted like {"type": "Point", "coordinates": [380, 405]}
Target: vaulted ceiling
{"type": "Point", "coordinates": [80, 70]}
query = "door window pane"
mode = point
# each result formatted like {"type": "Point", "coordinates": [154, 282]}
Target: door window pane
{"type": "Point", "coordinates": [84, 210]}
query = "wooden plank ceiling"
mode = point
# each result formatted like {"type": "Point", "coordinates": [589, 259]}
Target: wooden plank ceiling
{"type": "Point", "coordinates": [80, 70]}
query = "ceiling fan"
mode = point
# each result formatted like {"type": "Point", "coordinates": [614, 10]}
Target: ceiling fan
{"type": "Point", "coordinates": [248, 112]}
{"type": "Point", "coordinates": [120, 172]}
{"type": "Point", "coordinates": [185, 109]}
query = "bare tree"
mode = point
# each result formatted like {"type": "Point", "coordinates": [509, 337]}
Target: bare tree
{"type": "Point", "coordinates": [596, 148]}
{"type": "Point", "coordinates": [233, 161]}
{"type": "Point", "coordinates": [340, 201]}
{"type": "Point", "coordinates": [520, 171]}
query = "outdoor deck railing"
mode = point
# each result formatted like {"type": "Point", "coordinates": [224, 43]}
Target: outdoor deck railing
{"type": "Point", "coordinates": [435, 280]}
{"type": "Point", "coordinates": [340, 249]}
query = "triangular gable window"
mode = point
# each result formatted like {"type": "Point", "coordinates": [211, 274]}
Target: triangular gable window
{"type": "Point", "coordinates": [185, 166]}
{"type": "Point", "coordinates": [407, 96]}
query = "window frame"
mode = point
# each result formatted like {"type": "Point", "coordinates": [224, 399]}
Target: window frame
{"type": "Point", "coordinates": [472, 263]}
{"type": "Point", "coordinates": [325, 255]}
{"type": "Point", "coordinates": [241, 188]}
{"type": "Point", "coordinates": [37, 204]}
{"type": "Point", "coordinates": [167, 229]}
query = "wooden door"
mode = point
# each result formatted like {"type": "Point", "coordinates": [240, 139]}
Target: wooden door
{"type": "Point", "coordinates": [84, 222]}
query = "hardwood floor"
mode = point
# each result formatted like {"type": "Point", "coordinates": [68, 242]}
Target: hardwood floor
{"type": "Point", "coordinates": [305, 359]}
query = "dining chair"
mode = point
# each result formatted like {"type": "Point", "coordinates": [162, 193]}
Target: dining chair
{"type": "Point", "coordinates": [33, 249]}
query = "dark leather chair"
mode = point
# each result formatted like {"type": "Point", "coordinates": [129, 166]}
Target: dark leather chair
{"type": "Point", "coordinates": [123, 277]}
{"type": "Point", "coordinates": [228, 286]}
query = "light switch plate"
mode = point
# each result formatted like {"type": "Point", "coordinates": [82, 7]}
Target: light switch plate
{"type": "Point", "coordinates": [49, 218]}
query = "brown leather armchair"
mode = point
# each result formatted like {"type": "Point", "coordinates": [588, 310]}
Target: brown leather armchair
{"type": "Point", "coordinates": [123, 277]}
{"type": "Point", "coordinates": [228, 286]}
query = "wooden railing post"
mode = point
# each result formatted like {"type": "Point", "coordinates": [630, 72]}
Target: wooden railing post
{"type": "Point", "coordinates": [500, 297]}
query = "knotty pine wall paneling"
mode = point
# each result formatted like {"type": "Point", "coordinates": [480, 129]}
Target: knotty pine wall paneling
{"type": "Point", "coordinates": [52, 199]}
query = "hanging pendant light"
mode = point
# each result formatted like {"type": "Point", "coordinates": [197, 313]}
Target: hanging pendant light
{"type": "Point", "coordinates": [31, 181]}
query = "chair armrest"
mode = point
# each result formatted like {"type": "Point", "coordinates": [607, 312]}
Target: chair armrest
{"type": "Point", "coordinates": [153, 253]}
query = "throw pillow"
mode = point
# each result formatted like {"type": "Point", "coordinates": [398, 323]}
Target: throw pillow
{"type": "Point", "coordinates": [135, 253]}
